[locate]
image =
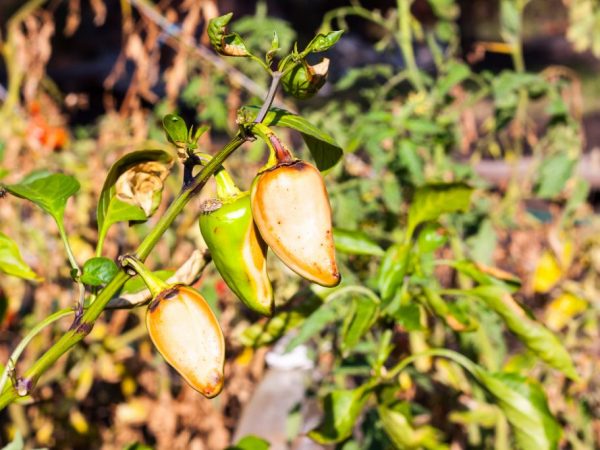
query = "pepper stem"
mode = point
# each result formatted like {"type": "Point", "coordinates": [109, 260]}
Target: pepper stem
{"type": "Point", "coordinates": [226, 187]}
{"type": "Point", "coordinates": [155, 284]}
{"type": "Point", "coordinates": [278, 153]}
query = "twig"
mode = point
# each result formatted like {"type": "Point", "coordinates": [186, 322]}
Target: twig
{"type": "Point", "coordinates": [177, 38]}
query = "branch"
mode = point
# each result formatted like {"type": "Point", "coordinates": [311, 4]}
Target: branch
{"type": "Point", "coordinates": [81, 328]}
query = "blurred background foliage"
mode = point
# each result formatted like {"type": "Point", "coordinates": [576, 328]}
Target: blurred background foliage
{"type": "Point", "coordinates": [499, 96]}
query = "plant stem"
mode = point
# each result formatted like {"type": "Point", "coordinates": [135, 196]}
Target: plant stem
{"type": "Point", "coordinates": [12, 360]}
{"type": "Point", "coordinates": [466, 363]}
{"type": "Point", "coordinates": [154, 284]}
{"type": "Point", "coordinates": [65, 239]}
{"type": "Point", "coordinates": [406, 45]}
{"type": "Point", "coordinates": [82, 327]}
{"type": "Point", "coordinates": [269, 98]}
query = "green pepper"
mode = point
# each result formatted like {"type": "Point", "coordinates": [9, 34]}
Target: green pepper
{"type": "Point", "coordinates": [236, 247]}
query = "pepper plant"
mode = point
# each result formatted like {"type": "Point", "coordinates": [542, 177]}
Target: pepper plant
{"type": "Point", "coordinates": [100, 279]}
{"type": "Point", "coordinates": [416, 313]}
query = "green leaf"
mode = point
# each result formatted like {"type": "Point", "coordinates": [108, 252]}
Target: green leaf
{"type": "Point", "coordinates": [16, 444]}
{"type": "Point", "coordinates": [524, 404]}
{"type": "Point", "coordinates": [251, 443]}
{"type": "Point", "coordinates": [273, 50]}
{"type": "Point", "coordinates": [270, 330]}
{"type": "Point", "coordinates": [48, 191]}
{"type": "Point", "coordinates": [323, 42]}
{"type": "Point", "coordinates": [510, 20]}
{"type": "Point", "coordinates": [449, 313]}
{"type": "Point", "coordinates": [325, 151]}
{"type": "Point", "coordinates": [361, 317]}
{"type": "Point", "coordinates": [341, 410]}
{"type": "Point", "coordinates": [11, 262]}
{"type": "Point", "coordinates": [355, 243]}
{"type": "Point", "coordinates": [408, 317]}
{"type": "Point", "coordinates": [393, 269]}
{"type": "Point", "coordinates": [176, 130]}
{"type": "Point", "coordinates": [110, 209]}
{"type": "Point", "coordinates": [391, 193]}
{"type": "Point", "coordinates": [137, 446]}
{"type": "Point", "coordinates": [455, 74]}
{"type": "Point", "coordinates": [554, 173]}
{"type": "Point", "coordinates": [345, 303]}
{"type": "Point", "coordinates": [404, 435]}
{"type": "Point", "coordinates": [98, 271]}
{"type": "Point", "coordinates": [429, 239]}
{"type": "Point", "coordinates": [533, 334]}
{"type": "Point", "coordinates": [484, 242]}
{"type": "Point", "coordinates": [327, 313]}
{"type": "Point", "coordinates": [487, 276]}
{"type": "Point", "coordinates": [433, 200]}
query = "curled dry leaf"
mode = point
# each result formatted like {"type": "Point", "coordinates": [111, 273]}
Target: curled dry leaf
{"type": "Point", "coordinates": [142, 185]}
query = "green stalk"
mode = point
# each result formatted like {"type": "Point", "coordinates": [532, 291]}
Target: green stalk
{"type": "Point", "coordinates": [65, 239]}
{"type": "Point", "coordinates": [406, 45]}
{"type": "Point", "coordinates": [153, 283]}
{"type": "Point", "coordinates": [466, 363]}
{"type": "Point", "coordinates": [12, 360]}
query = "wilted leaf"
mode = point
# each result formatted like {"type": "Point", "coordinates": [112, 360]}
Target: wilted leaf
{"type": "Point", "coordinates": [136, 187]}
{"type": "Point", "coordinates": [548, 272]}
{"type": "Point", "coordinates": [135, 291]}
{"type": "Point", "coordinates": [225, 44]}
{"type": "Point", "coordinates": [11, 262]}
{"type": "Point", "coordinates": [563, 309]}
{"type": "Point", "coordinates": [142, 185]}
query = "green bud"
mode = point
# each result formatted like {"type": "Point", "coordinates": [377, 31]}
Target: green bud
{"type": "Point", "coordinates": [304, 80]}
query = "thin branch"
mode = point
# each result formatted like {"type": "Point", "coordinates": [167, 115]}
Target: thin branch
{"type": "Point", "coordinates": [176, 38]}
{"type": "Point", "coordinates": [269, 98]}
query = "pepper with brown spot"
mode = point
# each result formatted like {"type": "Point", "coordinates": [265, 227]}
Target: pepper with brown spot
{"type": "Point", "coordinates": [291, 209]}
{"type": "Point", "coordinates": [185, 331]}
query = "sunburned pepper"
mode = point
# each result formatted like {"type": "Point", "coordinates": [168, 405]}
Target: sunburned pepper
{"type": "Point", "coordinates": [292, 212]}
{"type": "Point", "coordinates": [185, 331]}
{"type": "Point", "coordinates": [238, 251]}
